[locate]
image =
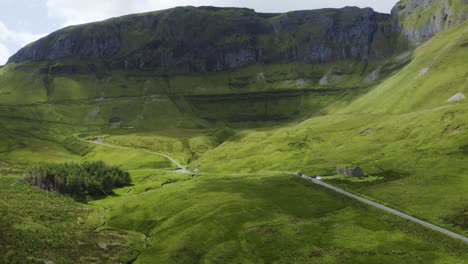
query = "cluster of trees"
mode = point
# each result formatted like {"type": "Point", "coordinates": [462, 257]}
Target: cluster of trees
{"type": "Point", "coordinates": [78, 180]}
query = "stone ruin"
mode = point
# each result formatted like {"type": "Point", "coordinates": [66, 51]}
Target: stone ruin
{"type": "Point", "coordinates": [115, 122]}
{"type": "Point", "coordinates": [351, 172]}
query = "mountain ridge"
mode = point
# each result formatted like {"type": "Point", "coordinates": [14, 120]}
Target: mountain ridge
{"type": "Point", "coordinates": [188, 39]}
{"type": "Point", "coordinates": [212, 39]}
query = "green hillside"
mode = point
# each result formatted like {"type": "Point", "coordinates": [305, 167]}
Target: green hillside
{"type": "Point", "coordinates": [403, 130]}
{"type": "Point", "coordinates": [420, 20]}
{"type": "Point", "coordinates": [387, 94]}
{"type": "Point", "coordinates": [436, 73]}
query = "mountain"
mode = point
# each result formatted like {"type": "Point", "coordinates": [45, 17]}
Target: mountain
{"type": "Point", "coordinates": [194, 67]}
{"type": "Point", "coordinates": [189, 39]}
{"type": "Point", "coordinates": [419, 20]}
{"type": "Point", "coordinates": [246, 99]}
{"type": "Point", "coordinates": [208, 39]}
{"type": "Point", "coordinates": [182, 68]}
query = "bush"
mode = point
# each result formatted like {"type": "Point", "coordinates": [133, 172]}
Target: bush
{"type": "Point", "coordinates": [78, 147]}
{"type": "Point", "coordinates": [78, 180]}
{"type": "Point", "coordinates": [224, 134]}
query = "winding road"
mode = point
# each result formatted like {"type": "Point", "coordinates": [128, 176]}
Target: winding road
{"type": "Point", "coordinates": [388, 209]}
{"type": "Point", "coordinates": [183, 169]}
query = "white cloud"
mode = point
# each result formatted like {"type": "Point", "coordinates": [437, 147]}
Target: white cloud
{"type": "Point", "coordinates": [22, 38]}
{"type": "Point", "coordinates": [4, 54]}
{"type": "Point", "coordinates": [84, 11]}
{"type": "Point", "coordinates": [73, 12]}
{"type": "Point", "coordinates": [10, 38]}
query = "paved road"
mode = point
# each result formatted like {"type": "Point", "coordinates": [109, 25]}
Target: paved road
{"type": "Point", "coordinates": [183, 169]}
{"type": "Point", "coordinates": [388, 209]}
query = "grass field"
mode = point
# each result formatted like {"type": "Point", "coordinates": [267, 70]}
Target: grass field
{"type": "Point", "coordinates": [262, 218]}
{"type": "Point", "coordinates": [41, 227]}
{"type": "Point", "coordinates": [251, 218]}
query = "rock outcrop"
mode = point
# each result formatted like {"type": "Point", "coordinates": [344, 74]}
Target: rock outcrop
{"type": "Point", "coordinates": [419, 20]}
{"type": "Point", "coordinates": [209, 39]}
{"type": "Point", "coordinates": [188, 39]}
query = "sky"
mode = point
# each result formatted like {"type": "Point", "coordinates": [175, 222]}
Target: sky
{"type": "Point", "coordinates": [24, 21]}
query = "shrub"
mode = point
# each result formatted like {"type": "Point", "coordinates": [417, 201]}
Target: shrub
{"type": "Point", "coordinates": [78, 180]}
{"type": "Point", "coordinates": [223, 134]}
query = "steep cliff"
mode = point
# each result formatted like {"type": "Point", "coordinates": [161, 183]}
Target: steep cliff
{"type": "Point", "coordinates": [188, 39]}
{"type": "Point", "coordinates": [419, 20]}
{"type": "Point", "coordinates": [209, 39]}
{"type": "Point", "coordinates": [194, 67]}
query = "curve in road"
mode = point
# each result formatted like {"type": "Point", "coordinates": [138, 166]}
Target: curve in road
{"type": "Point", "coordinates": [182, 169]}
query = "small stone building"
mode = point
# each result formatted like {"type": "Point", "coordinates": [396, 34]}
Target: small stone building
{"type": "Point", "coordinates": [351, 172]}
{"type": "Point", "coordinates": [115, 122]}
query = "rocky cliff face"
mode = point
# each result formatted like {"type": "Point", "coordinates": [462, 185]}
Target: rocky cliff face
{"type": "Point", "coordinates": [208, 39]}
{"type": "Point", "coordinates": [188, 39]}
{"type": "Point", "coordinates": [419, 20]}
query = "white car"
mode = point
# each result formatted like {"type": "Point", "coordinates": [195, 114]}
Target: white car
{"type": "Point", "coordinates": [318, 178]}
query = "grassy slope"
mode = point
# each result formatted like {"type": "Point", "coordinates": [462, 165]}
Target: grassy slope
{"type": "Point", "coordinates": [144, 101]}
{"type": "Point", "coordinates": [30, 142]}
{"type": "Point", "coordinates": [37, 227]}
{"type": "Point", "coordinates": [265, 218]}
{"type": "Point", "coordinates": [147, 102]}
{"type": "Point", "coordinates": [181, 145]}
{"type": "Point", "coordinates": [437, 72]}
{"type": "Point", "coordinates": [403, 130]}
{"type": "Point", "coordinates": [430, 14]}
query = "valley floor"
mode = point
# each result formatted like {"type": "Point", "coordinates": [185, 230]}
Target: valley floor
{"type": "Point", "coordinates": [261, 217]}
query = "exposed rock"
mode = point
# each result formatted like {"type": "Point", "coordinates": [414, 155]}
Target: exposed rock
{"type": "Point", "coordinates": [94, 113]}
{"type": "Point", "coordinates": [373, 75]}
{"type": "Point", "coordinates": [209, 39]}
{"type": "Point", "coordinates": [456, 97]}
{"type": "Point", "coordinates": [331, 77]}
{"type": "Point", "coordinates": [351, 172]}
{"type": "Point", "coordinates": [102, 245]}
{"type": "Point", "coordinates": [452, 130]}
{"type": "Point", "coordinates": [403, 56]}
{"type": "Point", "coordinates": [301, 82]}
{"type": "Point", "coordinates": [324, 81]}
{"type": "Point", "coordinates": [424, 71]}
{"type": "Point", "coordinates": [261, 77]}
{"type": "Point", "coordinates": [366, 132]}
{"type": "Point", "coordinates": [419, 20]}
{"type": "Point", "coordinates": [206, 39]}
